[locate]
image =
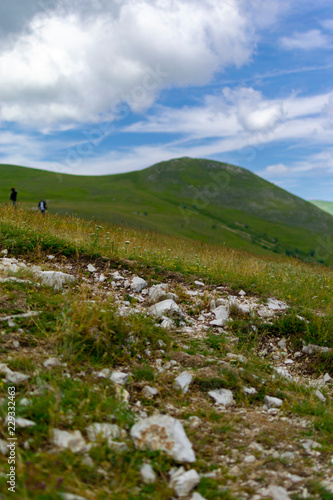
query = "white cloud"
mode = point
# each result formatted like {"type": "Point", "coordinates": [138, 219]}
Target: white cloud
{"type": "Point", "coordinates": [277, 170]}
{"type": "Point", "coordinates": [76, 65]}
{"type": "Point", "coordinates": [308, 40]}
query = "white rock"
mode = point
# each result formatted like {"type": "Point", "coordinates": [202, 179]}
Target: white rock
{"type": "Point", "coordinates": [148, 474]}
{"type": "Point", "coordinates": [249, 459]}
{"type": "Point", "coordinates": [250, 390]}
{"type": "Point", "coordinates": [105, 373]}
{"type": "Point", "coordinates": [11, 323]}
{"type": "Point", "coordinates": [149, 392]}
{"type": "Point", "coordinates": [70, 496]}
{"type": "Point", "coordinates": [157, 293]}
{"type": "Point", "coordinates": [52, 363]}
{"type": "Point", "coordinates": [312, 348]}
{"type": "Point", "coordinates": [282, 344]}
{"type": "Point", "coordinates": [3, 447]}
{"type": "Point", "coordinates": [168, 324]}
{"type": "Point", "coordinates": [310, 446]}
{"type": "Point", "coordinates": [167, 308]}
{"type": "Point", "coordinates": [327, 378]}
{"type": "Point", "coordinates": [184, 482]}
{"type": "Point", "coordinates": [283, 372]}
{"type": "Point", "coordinates": [71, 440]}
{"type": "Point", "coordinates": [91, 268]}
{"type": "Point", "coordinates": [242, 293]}
{"type": "Point", "coordinates": [222, 397]}
{"type": "Point", "coordinates": [276, 305]}
{"type": "Point", "coordinates": [56, 279]}
{"type": "Point", "coordinates": [51, 257]}
{"type": "Point", "coordinates": [16, 377]}
{"type": "Point", "coordinates": [273, 402]}
{"type": "Point", "coordinates": [237, 357]}
{"type": "Point", "coordinates": [320, 396]}
{"type": "Point", "coordinates": [165, 433]}
{"type": "Point", "coordinates": [104, 431]}
{"type": "Point", "coordinates": [117, 276]}
{"type": "Point", "coordinates": [278, 493]}
{"type": "Point", "coordinates": [183, 381]}
{"type": "Point", "coordinates": [120, 378]}
{"type": "Point", "coordinates": [23, 423]}
{"type": "Point", "coordinates": [197, 496]}
{"type": "Point", "coordinates": [221, 315]}
{"type": "Point", "coordinates": [199, 283]}
{"type": "Point", "coordinates": [138, 284]}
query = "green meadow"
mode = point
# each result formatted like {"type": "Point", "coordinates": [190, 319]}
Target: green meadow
{"type": "Point", "coordinates": [199, 200]}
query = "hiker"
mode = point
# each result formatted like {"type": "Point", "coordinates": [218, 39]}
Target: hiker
{"type": "Point", "coordinates": [42, 206]}
{"type": "Point", "coordinates": [13, 196]}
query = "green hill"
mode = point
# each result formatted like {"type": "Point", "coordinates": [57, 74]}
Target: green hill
{"type": "Point", "coordinates": [198, 199]}
{"type": "Point", "coordinates": [327, 206]}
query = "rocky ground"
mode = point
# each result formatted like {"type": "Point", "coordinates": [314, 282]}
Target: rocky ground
{"type": "Point", "coordinates": [228, 413]}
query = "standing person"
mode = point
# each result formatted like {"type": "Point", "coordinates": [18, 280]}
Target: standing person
{"type": "Point", "coordinates": [13, 196]}
{"type": "Point", "coordinates": [42, 206]}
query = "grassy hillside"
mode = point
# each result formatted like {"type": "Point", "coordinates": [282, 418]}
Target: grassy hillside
{"type": "Point", "coordinates": [92, 324]}
{"type": "Point", "coordinates": [327, 206]}
{"type": "Point", "coordinates": [198, 199]}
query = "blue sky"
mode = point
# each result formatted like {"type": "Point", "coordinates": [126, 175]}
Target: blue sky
{"type": "Point", "coordinates": [109, 86]}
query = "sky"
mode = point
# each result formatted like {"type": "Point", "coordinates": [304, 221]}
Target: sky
{"type": "Point", "coordinates": [96, 87]}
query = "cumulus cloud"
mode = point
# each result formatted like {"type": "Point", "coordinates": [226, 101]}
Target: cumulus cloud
{"type": "Point", "coordinates": [308, 40]}
{"type": "Point", "coordinates": [75, 63]}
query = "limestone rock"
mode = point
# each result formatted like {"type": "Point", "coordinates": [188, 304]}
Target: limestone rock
{"type": "Point", "coordinates": [312, 348]}
{"type": "Point", "coordinates": [56, 279]}
{"type": "Point", "coordinates": [157, 293]}
{"type": "Point", "coordinates": [3, 447]}
{"type": "Point", "coordinates": [119, 378]}
{"type": "Point", "coordinates": [320, 396]}
{"type": "Point", "coordinates": [273, 402]}
{"type": "Point", "coordinates": [71, 440]}
{"type": "Point", "coordinates": [183, 381]}
{"type": "Point", "coordinates": [278, 493]}
{"type": "Point", "coordinates": [276, 305]}
{"type": "Point", "coordinates": [165, 433]}
{"type": "Point", "coordinates": [52, 363]}
{"type": "Point", "coordinates": [221, 314]}
{"type": "Point", "coordinates": [148, 474]}
{"type": "Point", "coordinates": [149, 392]}
{"type": "Point", "coordinates": [91, 268]}
{"type": "Point", "coordinates": [104, 431]}
{"type": "Point", "coordinates": [184, 482]}
{"type": "Point", "coordinates": [222, 397]}
{"type": "Point", "coordinates": [167, 308]}
{"type": "Point", "coordinates": [138, 284]}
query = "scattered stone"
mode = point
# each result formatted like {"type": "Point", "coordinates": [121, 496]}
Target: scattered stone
{"type": "Point", "coordinates": [237, 357]}
{"type": "Point", "coordinates": [25, 402]}
{"type": "Point", "coordinates": [165, 433]}
{"type": "Point", "coordinates": [51, 257]}
{"type": "Point", "coordinates": [16, 377]}
{"type": "Point", "coordinates": [312, 348]}
{"type": "Point", "coordinates": [157, 293]}
{"type": "Point", "coordinates": [167, 308]}
{"type": "Point", "coordinates": [278, 493]}
{"type": "Point", "coordinates": [327, 378]}
{"type": "Point", "coordinates": [149, 392]}
{"type": "Point", "coordinates": [106, 432]}
{"type": "Point", "coordinates": [119, 378]}
{"type": "Point", "coordinates": [168, 324]}
{"type": "Point", "coordinates": [3, 447]}
{"type": "Point", "coordinates": [199, 283]}
{"type": "Point", "coordinates": [70, 496]}
{"type": "Point", "coordinates": [276, 305]}
{"type": "Point", "coordinates": [56, 279]}
{"type": "Point", "coordinates": [183, 482]}
{"type": "Point", "coordinates": [105, 373]}
{"type": "Point", "coordinates": [222, 397]}
{"type": "Point", "coordinates": [23, 315]}
{"type": "Point", "coordinates": [148, 474]}
{"type": "Point", "coordinates": [320, 396]}
{"type": "Point", "coordinates": [52, 363]}
{"type": "Point", "coordinates": [91, 268]}
{"type": "Point", "coordinates": [249, 459]}
{"type": "Point", "coordinates": [71, 440]}
{"type": "Point", "coordinates": [183, 381]}
{"type": "Point", "coordinates": [250, 390]}
{"type": "Point", "coordinates": [221, 315]}
{"type": "Point", "coordinates": [273, 402]}
{"type": "Point", "coordinates": [310, 446]}
{"type": "Point", "coordinates": [197, 496]}
{"type": "Point", "coordinates": [138, 284]}
{"type": "Point", "coordinates": [122, 394]}
{"type": "Point", "coordinates": [23, 423]}
{"type": "Point", "coordinates": [282, 344]}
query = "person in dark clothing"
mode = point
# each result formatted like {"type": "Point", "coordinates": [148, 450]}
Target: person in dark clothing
{"type": "Point", "coordinates": [42, 206]}
{"type": "Point", "coordinates": [13, 196]}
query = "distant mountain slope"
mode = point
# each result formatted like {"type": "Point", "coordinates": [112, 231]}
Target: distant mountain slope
{"type": "Point", "coordinates": [197, 199]}
{"type": "Point", "coordinates": [327, 206]}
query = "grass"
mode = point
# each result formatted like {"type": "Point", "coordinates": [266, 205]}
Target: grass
{"type": "Point", "coordinates": [200, 200]}
{"type": "Point", "coordinates": [81, 326]}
